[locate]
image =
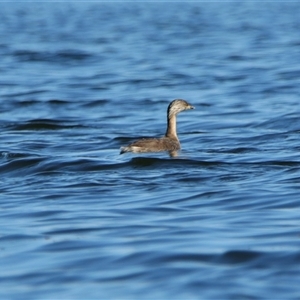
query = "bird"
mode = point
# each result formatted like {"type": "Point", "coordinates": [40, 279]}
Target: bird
{"type": "Point", "coordinates": [169, 142]}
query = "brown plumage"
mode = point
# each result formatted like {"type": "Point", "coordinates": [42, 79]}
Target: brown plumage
{"type": "Point", "coordinates": [170, 141]}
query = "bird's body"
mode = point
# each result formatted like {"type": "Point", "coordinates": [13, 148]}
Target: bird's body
{"type": "Point", "coordinates": [170, 141]}
{"type": "Point", "coordinates": [152, 145]}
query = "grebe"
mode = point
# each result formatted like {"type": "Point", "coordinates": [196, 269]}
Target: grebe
{"type": "Point", "coordinates": [170, 141]}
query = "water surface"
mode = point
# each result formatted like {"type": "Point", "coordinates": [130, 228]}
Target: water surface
{"type": "Point", "coordinates": [80, 80]}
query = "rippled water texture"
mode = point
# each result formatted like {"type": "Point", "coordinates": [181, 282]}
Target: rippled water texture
{"type": "Point", "coordinates": [80, 221]}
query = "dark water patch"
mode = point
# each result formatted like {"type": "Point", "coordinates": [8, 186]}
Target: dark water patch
{"type": "Point", "coordinates": [260, 260]}
{"type": "Point", "coordinates": [185, 258]}
{"type": "Point", "coordinates": [58, 102]}
{"type": "Point", "coordinates": [171, 162]}
{"type": "Point", "coordinates": [77, 231]}
{"type": "Point", "coordinates": [230, 78]}
{"type": "Point", "coordinates": [96, 103]}
{"type": "Point", "coordinates": [43, 124]}
{"type": "Point", "coordinates": [40, 214]}
{"type": "Point", "coordinates": [257, 259]}
{"type": "Point", "coordinates": [65, 56]}
{"type": "Point", "coordinates": [240, 257]}
{"type": "Point", "coordinates": [45, 166]}
{"type": "Point", "coordinates": [20, 165]}
{"type": "Point", "coordinates": [102, 87]}
{"type": "Point", "coordinates": [283, 163]}
{"type": "Point", "coordinates": [31, 103]}
{"type": "Point", "coordinates": [238, 150]}
{"type": "Point", "coordinates": [17, 237]}
{"type": "Point", "coordinates": [77, 165]}
{"type": "Point", "coordinates": [238, 57]}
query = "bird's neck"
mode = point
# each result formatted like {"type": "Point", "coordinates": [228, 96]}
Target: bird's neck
{"type": "Point", "coordinates": [171, 129]}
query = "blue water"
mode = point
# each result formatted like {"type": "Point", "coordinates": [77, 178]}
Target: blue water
{"type": "Point", "coordinates": [80, 80]}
